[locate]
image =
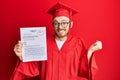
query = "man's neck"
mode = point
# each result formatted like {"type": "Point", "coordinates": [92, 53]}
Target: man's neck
{"type": "Point", "coordinates": [61, 38]}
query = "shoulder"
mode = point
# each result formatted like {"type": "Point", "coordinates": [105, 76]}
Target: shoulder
{"type": "Point", "coordinates": [79, 39]}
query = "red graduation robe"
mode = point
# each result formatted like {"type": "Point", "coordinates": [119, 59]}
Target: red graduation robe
{"type": "Point", "coordinates": [69, 63]}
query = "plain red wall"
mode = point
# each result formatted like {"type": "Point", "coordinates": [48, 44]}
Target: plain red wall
{"type": "Point", "coordinates": [97, 20]}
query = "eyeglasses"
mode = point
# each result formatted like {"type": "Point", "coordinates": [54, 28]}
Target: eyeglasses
{"type": "Point", "coordinates": [63, 24]}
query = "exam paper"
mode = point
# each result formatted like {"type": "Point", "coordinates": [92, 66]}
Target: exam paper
{"type": "Point", "coordinates": [34, 44]}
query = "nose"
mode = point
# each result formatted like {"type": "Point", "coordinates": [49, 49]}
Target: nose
{"type": "Point", "coordinates": [59, 25]}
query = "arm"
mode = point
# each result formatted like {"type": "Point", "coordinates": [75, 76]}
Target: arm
{"type": "Point", "coordinates": [86, 66]}
{"type": "Point", "coordinates": [91, 59]}
{"type": "Point", "coordinates": [83, 69]}
{"type": "Point", "coordinates": [24, 69]}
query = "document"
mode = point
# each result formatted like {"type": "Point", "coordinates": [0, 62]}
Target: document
{"type": "Point", "coordinates": [34, 44]}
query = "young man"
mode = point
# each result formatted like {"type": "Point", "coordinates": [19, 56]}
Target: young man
{"type": "Point", "coordinates": [68, 59]}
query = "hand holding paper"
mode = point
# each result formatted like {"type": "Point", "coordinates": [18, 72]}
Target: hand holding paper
{"type": "Point", "coordinates": [34, 44]}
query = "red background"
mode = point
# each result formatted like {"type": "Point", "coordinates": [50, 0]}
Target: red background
{"type": "Point", "coordinates": [97, 20]}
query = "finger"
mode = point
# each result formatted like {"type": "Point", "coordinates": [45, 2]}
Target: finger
{"type": "Point", "coordinates": [95, 44]}
{"type": "Point", "coordinates": [99, 43]}
{"type": "Point", "coordinates": [20, 43]}
{"type": "Point", "coordinates": [18, 48]}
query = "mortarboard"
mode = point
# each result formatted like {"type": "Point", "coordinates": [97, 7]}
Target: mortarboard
{"type": "Point", "coordinates": [60, 9]}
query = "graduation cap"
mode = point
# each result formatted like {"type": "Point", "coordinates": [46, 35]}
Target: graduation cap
{"type": "Point", "coordinates": [61, 9]}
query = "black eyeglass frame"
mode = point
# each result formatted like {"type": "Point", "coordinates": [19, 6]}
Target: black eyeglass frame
{"type": "Point", "coordinates": [62, 23]}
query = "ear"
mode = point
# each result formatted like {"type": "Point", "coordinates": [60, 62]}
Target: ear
{"type": "Point", "coordinates": [71, 24]}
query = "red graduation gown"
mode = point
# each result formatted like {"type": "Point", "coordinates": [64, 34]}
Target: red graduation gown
{"type": "Point", "coordinates": [69, 63]}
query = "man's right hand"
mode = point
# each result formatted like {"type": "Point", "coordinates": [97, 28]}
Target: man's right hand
{"type": "Point", "coordinates": [18, 49]}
